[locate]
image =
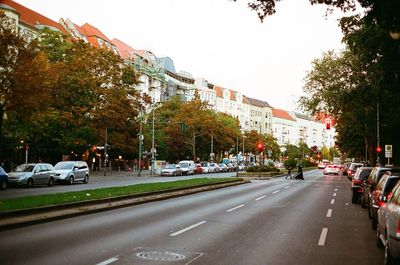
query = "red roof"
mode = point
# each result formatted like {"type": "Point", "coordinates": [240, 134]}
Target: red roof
{"type": "Point", "coordinates": [282, 114]}
{"type": "Point", "coordinates": [124, 49]}
{"type": "Point", "coordinates": [32, 18]}
{"type": "Point", "coordinates": [232, 94]}
{"type": "Point", "coordinates": [92, 33]}
{"type": "Point", "coordinates": [218, 91]}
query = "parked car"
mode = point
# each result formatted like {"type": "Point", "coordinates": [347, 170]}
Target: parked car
{"type": "Point", "coordinates": [388, 228]}
{"type": "Point", "coordinates": [71, 171]}
{"type": "Point", "coordinates": [351, 170]}
{"type": "Point", "coordinates": [32, 174]}
{"type": "Point", "coordinates": [198, 169]}
{"type": "Point", "coordinates": [369, 185]}
{"type": "Point", "coordinates": [171, 170]}
{"type": "Point", "coordinates": [360, 176]}
{"type": "Point", "coordinates": [214, 167]}
{"type": "Point", "coordinates": [331, 169]}
{"type": "Point", "coordinates": [383, 190]}
{"type": "Point", "coordinates": [187, 167]}
{"type": "Point", "coordinates": [206, 167]}
{"type": "Point", "coordinates": [3, 179]}
{"type": "Point", "coordinates": [223, 167]}
{"type": "Point", "coordinates": [322, 165]}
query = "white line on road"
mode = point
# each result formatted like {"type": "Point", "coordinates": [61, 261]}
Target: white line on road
{"type": "Point", "coordinates": [329, 213]}
{"type": "Point", "coordinates": [332, 201]}
{"type": "Point", "coordinates": [109, 261]}
{"type": "Point", "coordinates": [286, 187]}
{"type": "Point", "coordinates": [336, 189]}
{"type": "Point", "coordinates": [260, 198]}
{"type": "Point", "coordinates": [322, 237]}
{"type": "Point", "coordinates": [334, 195]}
{"type": "Point", "coordinates": [276, 191]}
{"type": "Point", "coordinates": [235, 208]}
{"type": "Point", "coordinates": [339, 179]}
{"type": "Point", "coordinates": [188, 228]}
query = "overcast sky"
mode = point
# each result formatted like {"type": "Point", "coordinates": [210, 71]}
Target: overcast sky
{"type": "Point", "coordinates": [220, 40]}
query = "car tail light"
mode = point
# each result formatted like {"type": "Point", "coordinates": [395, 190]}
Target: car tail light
{"type": "Point", "coordinates": [389, 195]}
{"type": "Point", "coordinates": [357, 181]}
{"type": "Point", "coordinates": [398, 228]}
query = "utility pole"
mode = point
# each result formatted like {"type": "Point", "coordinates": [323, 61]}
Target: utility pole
{"type": "Point", "coordinates": [140, 146]}
{"type": "Point", "coordinates": [152, 146]}
{"type": "Point", "coordinates": [105, 153]}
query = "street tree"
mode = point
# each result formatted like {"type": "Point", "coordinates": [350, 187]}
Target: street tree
{"type": "Point", "coordinates": [24, 76]}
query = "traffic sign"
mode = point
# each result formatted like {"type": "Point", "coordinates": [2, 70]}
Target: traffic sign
{"type": "Point", "coordinates": [388, 151]}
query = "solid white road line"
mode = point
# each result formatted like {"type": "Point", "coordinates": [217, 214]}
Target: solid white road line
{"type": "Point", "coordinates": [108, 261]}
{"type": "Point", "coordinates": [235, 208]}
{"type": "Point", "coordinates": [188, 228]}
{"type": "Point", "coordinates": [260, 198]}
{"type": "Point", "coordinates": [332, 201]}
{"type": "Point", "coordinates": [329, 213]}
{"type": "Point", "coordinates": [322, 237]}
{"type": "Point", "coordinates": [276, 191]}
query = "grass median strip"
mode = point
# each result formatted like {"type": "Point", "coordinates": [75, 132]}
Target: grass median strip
{"type": "Point", "coordinates": [29, 202]}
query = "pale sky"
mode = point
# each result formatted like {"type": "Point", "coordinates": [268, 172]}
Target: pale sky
{"type": "Point", "coordinates": [220, 40]}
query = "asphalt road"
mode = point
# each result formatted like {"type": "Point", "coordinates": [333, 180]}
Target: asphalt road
{"type": "Point", "coordinates": [264, 222]}
{"type": "Point", "coordinates": [100, 181]}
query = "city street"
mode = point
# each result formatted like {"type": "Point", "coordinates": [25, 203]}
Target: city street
{"type": "Point", "coordinates": [274, 221]}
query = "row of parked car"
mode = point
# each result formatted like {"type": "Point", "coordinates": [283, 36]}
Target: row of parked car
{"type": "Point", "coordinates": [188, 167]}
{"type": "Point", "coordinates": [378, 190]}
{"type": "Point", "coordinates": [45, 174]}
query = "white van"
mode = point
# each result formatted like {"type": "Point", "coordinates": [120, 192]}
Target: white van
{"type": "Point", "coordinates": [187, 167]}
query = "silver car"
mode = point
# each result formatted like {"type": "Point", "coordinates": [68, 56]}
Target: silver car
{"type": "Point", "coordinates": [32, 174]}
{"type": "Point", "coordinates": [171, 170]}
{"type": "Point", "coordinates": [71, 171]}
{"type": "Point", "coordinates": [388, 230]}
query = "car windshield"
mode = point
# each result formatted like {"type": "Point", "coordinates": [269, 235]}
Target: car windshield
{"type": "Point", "coordinates": [2, 172]}
{"type": "Point", "coordinates": [184, 164]}
{"type": "Point", "coordinates": [64, 166]}
{"type": "Point", "coordinates": [204, 164]}
{"type": "Point", "coordinates": [24, 168]}
{"type": "Point", "coordinates": [170, 166]}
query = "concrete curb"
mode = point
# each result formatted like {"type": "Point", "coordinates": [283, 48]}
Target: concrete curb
{"type": "Point", "coordinates": [20, 218]}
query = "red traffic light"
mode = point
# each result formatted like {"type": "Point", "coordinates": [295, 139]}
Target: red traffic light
{"type": "Point", "coordinates": [378, 149]}
{"type": "Point", "coordinates": [260, 147]}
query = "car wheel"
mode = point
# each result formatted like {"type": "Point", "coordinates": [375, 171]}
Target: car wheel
{"type": "Point", "coordinates": [389, 259]}
{"type": "Point", "coordinates": [354, 198]}
{"type": "Point", "coordinates": [51, 182]}
{"type": "Point", "coordinates": [379, 242]}
{"type": "Point", "coordinates": [369, 211]}
{"type": "Point", "coordinates": [86, 179]}
{"type": "Point", "coordinates": [29, 183]}
{"type": "Point", "coordinates": [4, 184]}
{"type": "Point", "coordinates": [71, 180]}
{"type": "Point", "coordinates": [363, 205]}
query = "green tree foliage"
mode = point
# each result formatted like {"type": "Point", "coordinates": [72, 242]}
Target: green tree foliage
{"type": "Point", "coordinates": [385, 13]}
{"type": "Point", "coordinates": [24, 77]}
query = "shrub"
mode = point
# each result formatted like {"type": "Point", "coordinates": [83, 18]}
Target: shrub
{"type": "Point", "coordinates": [262, 169]}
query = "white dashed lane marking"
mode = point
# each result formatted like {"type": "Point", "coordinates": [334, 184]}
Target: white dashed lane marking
{"type": "Point", "coordinates": [329, 213]}
{"type": "Point", "coordinates": [260, 198]}
{"type": "Point", "coordinates": [332, 201]}
{"type": "Point", "coordinates": [322, 237]}
{"type": "Point", "coordinates": [109, 261]}
{"type": "Point", "coordinates": [188, 228]}
{"type": "Point", "coordinates": [235, 208]}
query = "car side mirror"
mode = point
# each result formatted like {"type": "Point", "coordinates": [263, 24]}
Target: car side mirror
{"type": "Point", "coordinates": [383, 198]}
{"type": "Point", "coordinates": [36, 171]}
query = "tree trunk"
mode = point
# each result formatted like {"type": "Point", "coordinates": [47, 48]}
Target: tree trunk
{"type": "Point", "coordinates": [194, 146]}
{"type": "Point", "coordinates": [1, 133]}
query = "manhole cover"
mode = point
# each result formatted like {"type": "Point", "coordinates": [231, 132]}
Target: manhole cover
{"type": "Point", "coordinates": [160, 256]}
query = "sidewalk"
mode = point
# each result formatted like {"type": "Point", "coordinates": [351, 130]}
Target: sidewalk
{"type": "Point", "coordinates": [115, 173]}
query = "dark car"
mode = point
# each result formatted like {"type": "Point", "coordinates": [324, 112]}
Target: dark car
{"type": "Point", "coordinates": [369, 185]}
{"type": "Point", "coordinates": [383, 190]}
{"type": "Point", "coordinates": [360, 176]}
{"type": "Point", "coordinates": [3, 179]}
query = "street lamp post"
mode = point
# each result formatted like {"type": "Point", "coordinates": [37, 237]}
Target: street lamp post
{"type": "Point", "coordinates": [152, 145]}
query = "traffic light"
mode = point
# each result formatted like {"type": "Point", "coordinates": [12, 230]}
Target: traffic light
{"type": "Point", "coordinates": [260, 147]}
{"type": "Point", "coordinates": [328, 124]}
{"type": "Point", "coordinates": [379, 149]}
